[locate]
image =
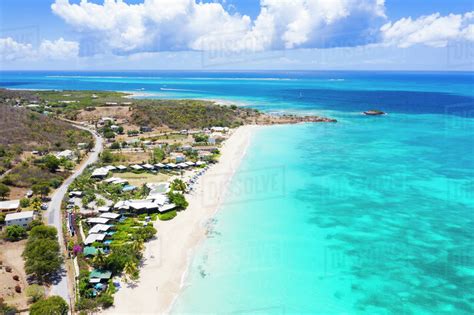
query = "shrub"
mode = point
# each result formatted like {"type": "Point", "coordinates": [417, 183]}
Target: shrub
{"type": "Point", "coordinates": [54, 305]}
{"type": "Point", "coordinates": [16, 278]}
{"type": "Point", "coordinates": [25, 202]}
{"type": "Point", "coordinates": [8, 269]}
{"type": "Point", "coordinates": [167, 215]}
{"type": "Point", "coordinates": [106, 300]}
{"type": "Point", "coordinates": [17, 289]}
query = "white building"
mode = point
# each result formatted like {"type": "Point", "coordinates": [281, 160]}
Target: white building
{"type": "Point", "coordinates": [67, 154]}
{"type": "Point", "coordinates": [19, 218]}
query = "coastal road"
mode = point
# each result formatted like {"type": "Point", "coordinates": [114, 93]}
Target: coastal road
{"type": "Point", "coordinates": [53, 213]}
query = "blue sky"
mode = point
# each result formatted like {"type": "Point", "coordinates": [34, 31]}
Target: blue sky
{"type": "Point", "coordinates": [237, 34]}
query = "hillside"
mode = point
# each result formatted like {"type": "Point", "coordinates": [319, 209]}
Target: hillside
{"type": "Point", "coordinates": [189, 114]}
{"type": "Point", "coordinates": [32, 131]}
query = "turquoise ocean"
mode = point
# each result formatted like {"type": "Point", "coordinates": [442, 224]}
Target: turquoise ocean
{"type": "Point", "coordinates": [370, 215]}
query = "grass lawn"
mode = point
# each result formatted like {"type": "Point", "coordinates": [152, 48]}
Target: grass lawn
{"type": "Point", "coordinates": [139, 179]}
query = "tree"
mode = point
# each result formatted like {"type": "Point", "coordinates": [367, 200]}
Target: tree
{"type": "Point", "coordinates": [4, 191]}
{"type": "Point", "coordinates": [54, 305]}
{"type": "Point", "coordinates": [138, 245]}
{"type": "Point", "coordinates": [99, 260]}
{"type": "Point", "coordinates": [178, 199]}
{"type": "Point", "coordinates": [120, 130]}
{"type": "Point", "coordinates": [15, 233]}
{"type": "Point", "coordinates": [41, 189]}
{"type": "Point", "coordinates": [2, 218]}
{"type": "Point", "coordinates": [107, 157]}
{"type": "Point", "coordinates": [24, 202]}
{"type": "Point", "coordinates": [131, 271]}
{"type": "Point", "coordinates": [42, 253]}
{"type": "Point", "coordinates": [35, 292]}
{"type": "Point", "coordinates": [158, 155]}
{"type": "Point", "coordinates": [115, 146]}
{"type": "Point", "coordinates": [201, 138]}
{"type": "Point", "coordinates": [36, 204]}
{"type": "Point", "coordinates": [109, 134]}
{"type": "Point", "coordinates": [178, 185]}
{"type": "Point", "coordinates": [51, 162]}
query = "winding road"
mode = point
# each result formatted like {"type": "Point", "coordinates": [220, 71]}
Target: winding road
{"type": "Point", "coordinates": [53, 213]}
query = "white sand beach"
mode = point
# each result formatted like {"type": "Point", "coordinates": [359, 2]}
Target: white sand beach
{"type": "Point", "coordinates": [166, 259]}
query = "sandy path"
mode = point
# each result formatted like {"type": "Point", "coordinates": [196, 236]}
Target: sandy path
{"type": "Point", "coordinates": [167, 257]}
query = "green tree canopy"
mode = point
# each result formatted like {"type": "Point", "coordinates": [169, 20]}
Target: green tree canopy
{"type": "Point", "coordinates": [54, 305]}
{"type": "Point", "coordinates": [15, 233]}
{"type": "Point", "coordinates": [51, 162]}
{"type": "Point", "coordinates": [42, 253]}
{"type": "Point", "coordinates": [41, 189]}
{"type": "Point", "coordinates": [4, 191]}
{"type": "Point", "coordinates": [178, 199]}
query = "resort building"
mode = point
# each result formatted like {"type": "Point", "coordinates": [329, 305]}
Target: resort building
{"type": "Point", "coordinates": [9, 205]}
{"type": "Point", "coordinates": [100, 173]}
{"type": "Point", "coordinates": [92, 238]}
{"type": "Point", "coordinates": [19, 218]}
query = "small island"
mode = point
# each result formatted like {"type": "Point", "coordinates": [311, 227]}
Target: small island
{"type": "Point", "coordinates": [374, 112]}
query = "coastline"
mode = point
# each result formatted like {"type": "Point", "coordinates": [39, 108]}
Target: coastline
{"type": "Point", "coordinates": [168, 257]}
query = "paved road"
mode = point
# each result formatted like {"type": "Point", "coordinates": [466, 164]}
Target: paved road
{"type": "Point", "coordinates": [53, 214]}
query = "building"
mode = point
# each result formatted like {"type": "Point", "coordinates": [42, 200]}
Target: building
{"type": "Point", "coordinates": [67, 154]}
{"type": "Point", "coordinates": [19, 218]}
{"type": "Point", "coordinates": [146, 129]}
{"type": "Point", "coordinates": [100, 173]}
{"type": "Point", "coordinates": [178, 157]}
{"type": "Point", "coordinates": [9, 205]}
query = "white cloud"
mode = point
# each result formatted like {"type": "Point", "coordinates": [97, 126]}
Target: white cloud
{"type": "Point", "coordinates": [12, 50]}
{"type": "Point", "coordinates": [154, 25]}
{"type": "Point", "coordinates": [432, 30]}
{"type": "Point", "coordinates": [48, 50]}
{"type": "Point", "coordinates": [59, 49]}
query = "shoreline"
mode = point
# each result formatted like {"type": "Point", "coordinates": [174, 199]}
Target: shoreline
{"type": "Point", "coordinates": [167, 258]}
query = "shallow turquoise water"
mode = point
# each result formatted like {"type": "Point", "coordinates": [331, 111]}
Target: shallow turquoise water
{"type": "Point", "coordinates": [367, 216]}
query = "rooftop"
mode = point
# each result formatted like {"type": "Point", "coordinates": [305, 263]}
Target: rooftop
{"type": "Point", "coordinates": [19, 215]}
{"type": "Point", "coordinates": [10, 204]}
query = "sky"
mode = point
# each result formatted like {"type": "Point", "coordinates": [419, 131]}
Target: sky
{"type": "Point", "coordinates": [237, 35]}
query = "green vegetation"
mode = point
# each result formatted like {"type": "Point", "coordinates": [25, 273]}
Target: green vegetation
{"type": "Point", "coordinates": [201, 138]}
{"type": "Point", "coordinates": [188, 114]}
{"type": "Point", "coordinates": [178, 199]}
{"type": "Point", "coordinates": [4, 191]}
{"type": "Point", "coordinates": [15, 233]}
{"type": "Point", "coordinates": [42, 253]}
{"type": "Point", "coordinates": [167, 215]}
{"type": "Point", "coordinates": [26, 175]}
{"type": "Point", "coordinates": [158, 155]}
{"type": "Point", "coordinates": [35, 292]}
{"type": "Point", "coordinates": [178, 185]}
{"type": "Point", "coordinates": [54, 305]}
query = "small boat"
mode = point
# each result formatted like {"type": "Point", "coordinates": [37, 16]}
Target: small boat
{"type": "Point", "coordinates": [374, 112]}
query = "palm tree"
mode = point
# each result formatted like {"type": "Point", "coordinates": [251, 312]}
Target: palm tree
{"type": "Point", "coordinates": [138, 246]}
{"type": "Point", "coordinates": [178, 185]}
{"type": "Point", "coordinates": [99, 259]}
{"type": "Point", "coordinates": [131, 271]}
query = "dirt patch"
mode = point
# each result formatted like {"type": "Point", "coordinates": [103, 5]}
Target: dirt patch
{"type": "Point", "coordinates": [10, 256]}
{"type": "Point", "coordinates": [122, 113]}
{"type": "Point", "coordinates": [133, 157]}
{"type": "Point", "coordinates": [17, 192]}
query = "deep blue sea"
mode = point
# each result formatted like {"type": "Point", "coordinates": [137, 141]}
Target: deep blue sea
{"type": "Point", "coordinates": [371, 215]}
